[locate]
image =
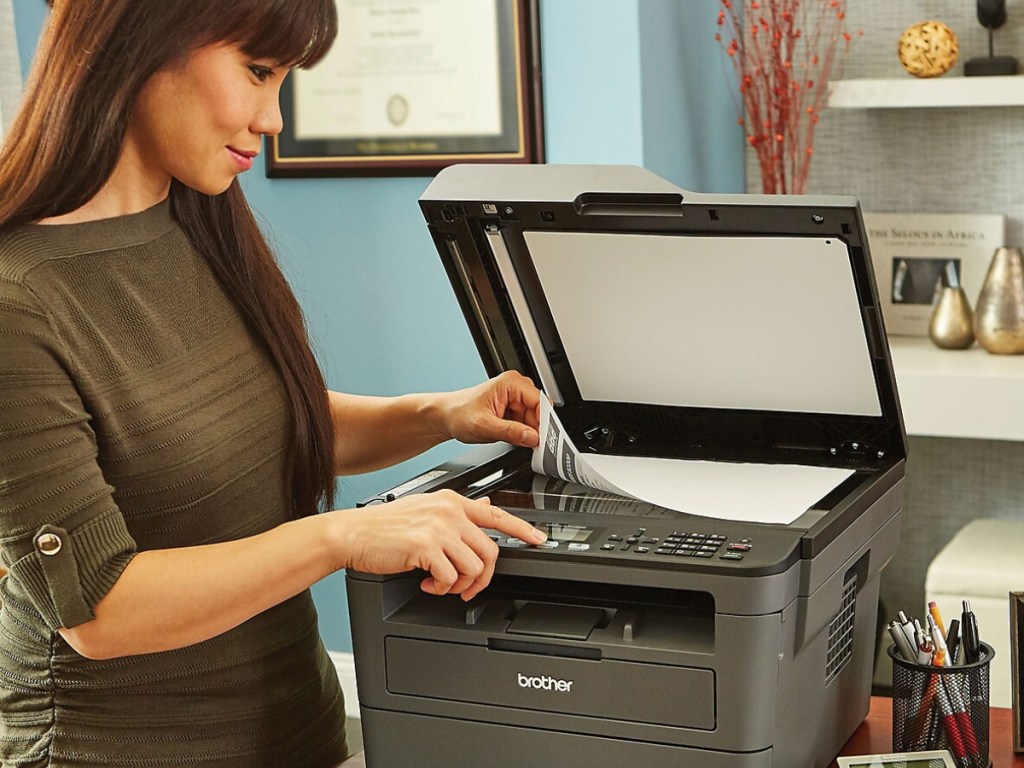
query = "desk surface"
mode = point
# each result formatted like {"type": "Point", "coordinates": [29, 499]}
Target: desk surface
{"type": "Point", "coordinates": [875, 737]}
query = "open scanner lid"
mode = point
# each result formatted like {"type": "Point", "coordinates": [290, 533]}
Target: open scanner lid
{"type": "Point", "coordinates": [666, 323]}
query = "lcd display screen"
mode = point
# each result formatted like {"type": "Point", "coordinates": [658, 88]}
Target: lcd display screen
{"type": "Point", "coordinates": [566, 533]}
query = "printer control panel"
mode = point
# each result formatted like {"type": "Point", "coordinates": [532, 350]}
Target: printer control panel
{"type": "Point", "coordinates": [639, 541]}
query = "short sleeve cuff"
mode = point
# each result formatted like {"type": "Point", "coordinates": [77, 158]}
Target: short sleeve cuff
{"type": "Point", "coordinates": [68, 572]}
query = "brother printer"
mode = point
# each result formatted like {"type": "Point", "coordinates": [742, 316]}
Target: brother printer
{"type": "Point", "coordinates": [728, 329]}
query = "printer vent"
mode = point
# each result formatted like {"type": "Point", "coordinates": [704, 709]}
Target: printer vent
{"type": "Point", "coordinates": [840, 631]}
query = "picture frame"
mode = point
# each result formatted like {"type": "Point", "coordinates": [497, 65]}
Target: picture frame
{"type": "Point", "coordinates": [1017, 668]}
{"type": "Point", "coordinates": [414, 86]}
{"type": "Point", "coordinates": [914, 253]}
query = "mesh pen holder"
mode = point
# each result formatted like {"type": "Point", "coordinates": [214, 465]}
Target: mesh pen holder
{"type": "Point", "coordinates": [942, 708]}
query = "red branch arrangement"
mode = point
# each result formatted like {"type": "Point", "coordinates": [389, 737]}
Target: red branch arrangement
{"type": "Point", "coordinates": [784, 52]}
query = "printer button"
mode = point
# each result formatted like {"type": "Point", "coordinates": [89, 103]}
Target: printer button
{"type": "Point", "coordinates": [548, 545]}
{"type": "Point", "coordinates": [664, 551]}
{"type": "Point", "coordinates": [642, 550]}
{"type": "Point", "coordinates": [739, 548]}
{"type": "Point", "coordinates": [704, 554]}
{"type": "Point", "coordinates": [633, 540]}
{"type": "Point", "coordinates": [512, 542]}
{"type": "Point", "coordinates": [626, 547]}
{"type": "Point", "coordinates": [650, 541]}
{"type": "Point", "coordinates": [746, 541]}
{"type": "Point", "coordinates": [607, 547]}
{"type": "Point", "coordinates": [708, 548]}
{"type": "Point", "coordinates": [731, 556]}
{"type": "Point", "coordinates": [614, 537]}
{"type": "Point", "coordinates": [577, 547]}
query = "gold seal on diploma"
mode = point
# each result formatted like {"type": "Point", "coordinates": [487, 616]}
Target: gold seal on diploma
{"type": "Point", "coordinates": [398, 109]}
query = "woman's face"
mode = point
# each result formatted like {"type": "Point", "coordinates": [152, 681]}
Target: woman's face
{"type": "Point", "coordinates": [202, 122]}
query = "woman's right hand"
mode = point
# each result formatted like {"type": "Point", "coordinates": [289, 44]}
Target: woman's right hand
{"type": "Point", "coordinates": [440, 533]}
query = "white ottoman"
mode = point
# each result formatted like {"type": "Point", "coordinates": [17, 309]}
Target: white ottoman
{"type": "Point", "coordinates": [983, 563]}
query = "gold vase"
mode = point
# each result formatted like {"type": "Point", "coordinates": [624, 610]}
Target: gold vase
{"type": "Point", "coordinates": [951, 326]}
{"type": "Point", "coordinates": [999, 315]}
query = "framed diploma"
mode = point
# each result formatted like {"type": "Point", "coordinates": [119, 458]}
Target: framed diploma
{"type": "Point", "coordinates": [411, 86]}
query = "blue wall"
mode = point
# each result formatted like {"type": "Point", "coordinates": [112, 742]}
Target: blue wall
{"type": "Point", "coordinates": [638, 82]}
{"type": "Point", "coordinates": [690, 102]}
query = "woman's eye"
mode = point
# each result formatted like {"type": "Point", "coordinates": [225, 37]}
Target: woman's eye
{"type": "Point", "coordinates": [260, 73]}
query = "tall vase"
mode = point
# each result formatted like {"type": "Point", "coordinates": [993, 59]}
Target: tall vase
{"type": "Point", "coordinates": [999, 315]}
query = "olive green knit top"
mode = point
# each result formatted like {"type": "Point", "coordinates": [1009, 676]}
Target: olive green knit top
{"type": "Point", "coordinates": [137, 412]}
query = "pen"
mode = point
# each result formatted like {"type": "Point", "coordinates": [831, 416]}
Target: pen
{"type": "Point", "coordinates": [947, 712]}
{"type": "Point", "coordinates": [941, 656]}
{"type": "Point", "coordinates": [933, 610]}
{"type": "Point", "coordinates": [962, 716]}
{"type": "Point", "coordinates": [953, 641]}
{"type": "Point", "coordinates": [969, 630]}
{"type": "Point", "coordinates": [951, 707]}
{"type": "Point", "coordinates": [902, 644]}
{"type": "Point", "coordinates": [908, 627]}
{"type": "Point", "coordinates": [922, 643]}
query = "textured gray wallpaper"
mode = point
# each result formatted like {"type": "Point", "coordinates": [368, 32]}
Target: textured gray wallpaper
{"type": "Point", "coordinates": [941, 160]}
{"type": "Point", "coordinates": [935, 160]}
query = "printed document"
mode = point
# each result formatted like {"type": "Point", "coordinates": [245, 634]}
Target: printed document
{"type": "Point", "coordinates": [759, 493]}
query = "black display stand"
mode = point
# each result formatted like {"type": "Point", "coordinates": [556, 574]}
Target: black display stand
{"type": "Point", "coordinates": [992, 15]}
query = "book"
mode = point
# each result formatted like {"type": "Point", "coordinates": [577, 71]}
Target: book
{"type": "Point", "coordinates": [910, 253]}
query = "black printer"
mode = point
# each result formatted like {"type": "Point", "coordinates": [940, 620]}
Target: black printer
{"type": "Point", "coordinates": [728, 329]}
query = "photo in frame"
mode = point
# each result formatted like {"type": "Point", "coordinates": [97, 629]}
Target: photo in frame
{"type": "Point", "coordinates": [911, 253]}
{"type": "Point", "coordinates": [412, 86]}
{"type": "Point", "coordinates": [1017, 668]}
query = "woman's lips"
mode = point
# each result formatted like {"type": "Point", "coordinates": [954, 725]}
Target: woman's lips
{"type": "Point", "coordinates": [243, 159]}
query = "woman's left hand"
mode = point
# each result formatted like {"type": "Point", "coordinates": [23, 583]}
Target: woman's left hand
{"type": "Point", "coordinates": [505, 408]}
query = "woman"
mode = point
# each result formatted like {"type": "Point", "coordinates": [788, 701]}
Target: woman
{"type": "Point", "coordinates": [166, 434]}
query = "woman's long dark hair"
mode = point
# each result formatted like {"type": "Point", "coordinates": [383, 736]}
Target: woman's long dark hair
{"type": "Point", "coordinates": [94, 57]}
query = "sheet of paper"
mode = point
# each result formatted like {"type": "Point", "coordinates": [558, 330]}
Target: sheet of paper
{"type": "Point", "coordinates": [760, 493]}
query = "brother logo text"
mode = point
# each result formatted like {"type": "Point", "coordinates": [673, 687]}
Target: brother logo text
{"type": "Point", "coordinates": [545, 683]}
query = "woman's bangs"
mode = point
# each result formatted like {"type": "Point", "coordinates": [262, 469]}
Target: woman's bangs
{"type": "Point", "coordinates": [294, 34]}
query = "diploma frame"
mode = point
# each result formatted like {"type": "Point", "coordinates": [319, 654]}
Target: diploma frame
{"type": "Point", "coordinates": [520, 106]}
{"type": "Point", "coordinates": [1016, 647]}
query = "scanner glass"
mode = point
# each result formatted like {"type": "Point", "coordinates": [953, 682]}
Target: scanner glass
{"type": "Point", "coordinates": [530, 492]}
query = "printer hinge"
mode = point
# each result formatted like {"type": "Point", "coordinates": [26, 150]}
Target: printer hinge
{"type": "Point", "coordinates": [600, 438]}
{"type": "Point", "coordinates": [858, 449]}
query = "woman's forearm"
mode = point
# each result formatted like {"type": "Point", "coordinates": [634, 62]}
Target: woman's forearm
{"type": "Point", "coordinates": [376, 432]}
{"type": "Point", "coordinates": [172, 598]}
{"type": "Point", "coordinates": [167, 599]}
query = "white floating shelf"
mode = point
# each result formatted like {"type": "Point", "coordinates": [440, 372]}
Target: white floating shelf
{"type": "Point", "coordinates": [958, 393]}
{"type": "Point", "coordinates": [912, 92]}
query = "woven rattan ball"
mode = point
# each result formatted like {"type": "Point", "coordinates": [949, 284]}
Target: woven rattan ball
{"type": "Point", "coordinates": [928, 49]}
